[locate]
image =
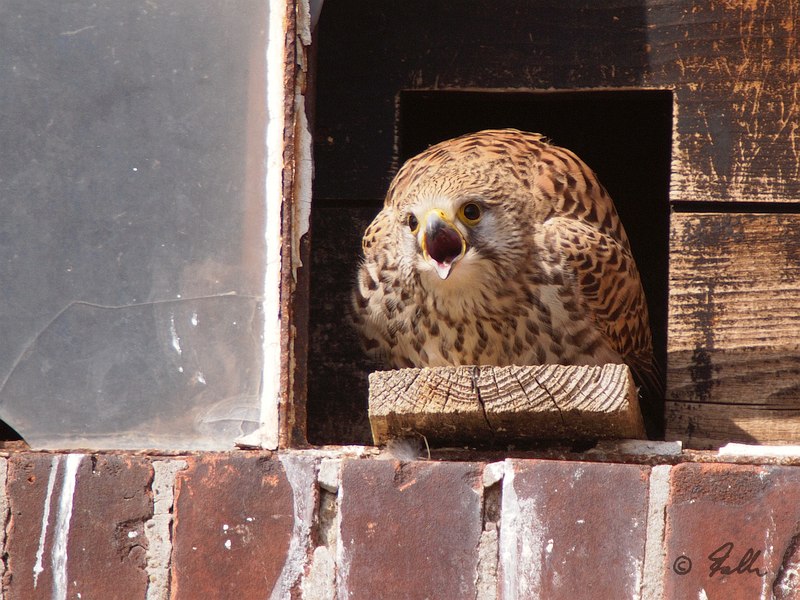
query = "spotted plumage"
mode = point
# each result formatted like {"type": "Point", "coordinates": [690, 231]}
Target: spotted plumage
{"type": "Point", "coordinates": [498, 248]}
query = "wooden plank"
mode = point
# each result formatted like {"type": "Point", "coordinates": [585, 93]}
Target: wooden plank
{"type": "Point", "coordinates": [709, 426]}
{"type": "Point", "coordinates": [734, 68]}
{"type": "Point", "coordinates": [734, 328]}
{"type": "Point", "coordinates": [735, 71]}
{"type": "Point", "coordinates": [504, 404]}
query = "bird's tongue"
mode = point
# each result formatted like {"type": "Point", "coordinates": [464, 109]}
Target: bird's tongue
{"type": "Point", "coordinates": [444, 245]}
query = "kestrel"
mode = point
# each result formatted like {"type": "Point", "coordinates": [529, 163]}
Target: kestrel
{"type": "Point", "coordinates": [498, 248]}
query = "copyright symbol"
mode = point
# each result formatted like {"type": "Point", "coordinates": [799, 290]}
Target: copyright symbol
{"type": "Point", "coordinates": [682, 565]}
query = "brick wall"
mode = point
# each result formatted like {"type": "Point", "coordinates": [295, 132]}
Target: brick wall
{"type": "Point", "coordinates": [324, 525]}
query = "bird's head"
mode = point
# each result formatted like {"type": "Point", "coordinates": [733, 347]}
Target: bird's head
{"type": "Point", "coordinates": [460, 215]}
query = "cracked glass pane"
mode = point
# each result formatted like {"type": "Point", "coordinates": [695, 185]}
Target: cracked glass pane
{"type": "Point", "coordinates": [132, 221]}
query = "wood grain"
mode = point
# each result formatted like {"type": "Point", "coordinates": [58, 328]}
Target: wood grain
{"type": "Point", "coordinates": [734, 328]}
{"type": "Point", "coordinates": [733, 66]}
{"type": "Point", "coordinates": [504, 404]}
{"type": "Point", "coordinates": [710, 426]}
{"type": "Point", "coordinates": [735, 71]}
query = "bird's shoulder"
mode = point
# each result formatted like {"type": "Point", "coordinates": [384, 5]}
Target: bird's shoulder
{"type": "Point", "coordinates": [605, 273]}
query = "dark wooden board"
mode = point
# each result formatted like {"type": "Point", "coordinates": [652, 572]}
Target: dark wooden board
{"type": "Point", "coordinates": [734, 68]}
{"type": "Point", "coordinates": [734, 331]}
{"type": "Point", "coordinates": [735, 71]}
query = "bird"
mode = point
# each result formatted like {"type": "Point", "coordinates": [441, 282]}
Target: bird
{"type": "Point", "coordinates": [500, 248]}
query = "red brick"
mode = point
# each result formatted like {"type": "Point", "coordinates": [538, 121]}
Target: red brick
{"type": "Point", "coordinates": [233, 522]}
{"type": "Point", "coordinates": [409, 531]}
{"type": "Point", "coordinates": [572, 530]}
{"type": "Point", "coordinates": [104, 535]}
{"type": "Point", "coordinates": [750, 513]}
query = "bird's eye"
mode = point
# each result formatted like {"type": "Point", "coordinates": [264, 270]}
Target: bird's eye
{"type": "Point", "coordinates": [470, 213]}
{"type": "Point", "coordinates": [413, 223]}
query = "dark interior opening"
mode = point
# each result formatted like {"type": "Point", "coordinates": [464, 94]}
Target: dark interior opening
{"type": "Point", "coordinates": [8, 433]}
{"type": "Point", "coordinates": [623, 135]}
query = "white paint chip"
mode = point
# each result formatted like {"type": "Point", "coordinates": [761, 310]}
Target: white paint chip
{"type": "Point", "coordinates": [639, 447]}
{"type": "Point", "coordinates": [63, 521]}
{"type": "Point", "coordinates": [38, 567]}
{"type": "Point", "coordinates": [654, 552]}
{"type": "Point", "coordinates": [320, 581]}
{"type": "Point", "coordinates": [330, 474]}
{"type": "Point", "coordinates": [522, 542]}
{"type": "Point", "coordinates": [267, 435]}
{"type": "Point", "coordinates": [301, 473]}
{"type": "Point", "coordinates": [748, 450]}
{"type": "Point", "coordinates": [493, 473]}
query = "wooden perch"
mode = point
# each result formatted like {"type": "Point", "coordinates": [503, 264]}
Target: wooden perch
{"type": "Point", "coordinates": [491, 404]}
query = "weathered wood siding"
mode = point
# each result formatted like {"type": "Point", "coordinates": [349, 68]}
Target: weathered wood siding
{"type": "Point", "coordinates": [733, 69]}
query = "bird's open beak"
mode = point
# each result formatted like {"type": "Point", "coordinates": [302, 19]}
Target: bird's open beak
{"type": "Point", "coordinates": [442, 243]}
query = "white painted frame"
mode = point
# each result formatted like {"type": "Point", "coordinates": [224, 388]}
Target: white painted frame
{"type": "Point", "coordinates": [268, 435]}
{"type": "Point", "coordinates": [275, 361]}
